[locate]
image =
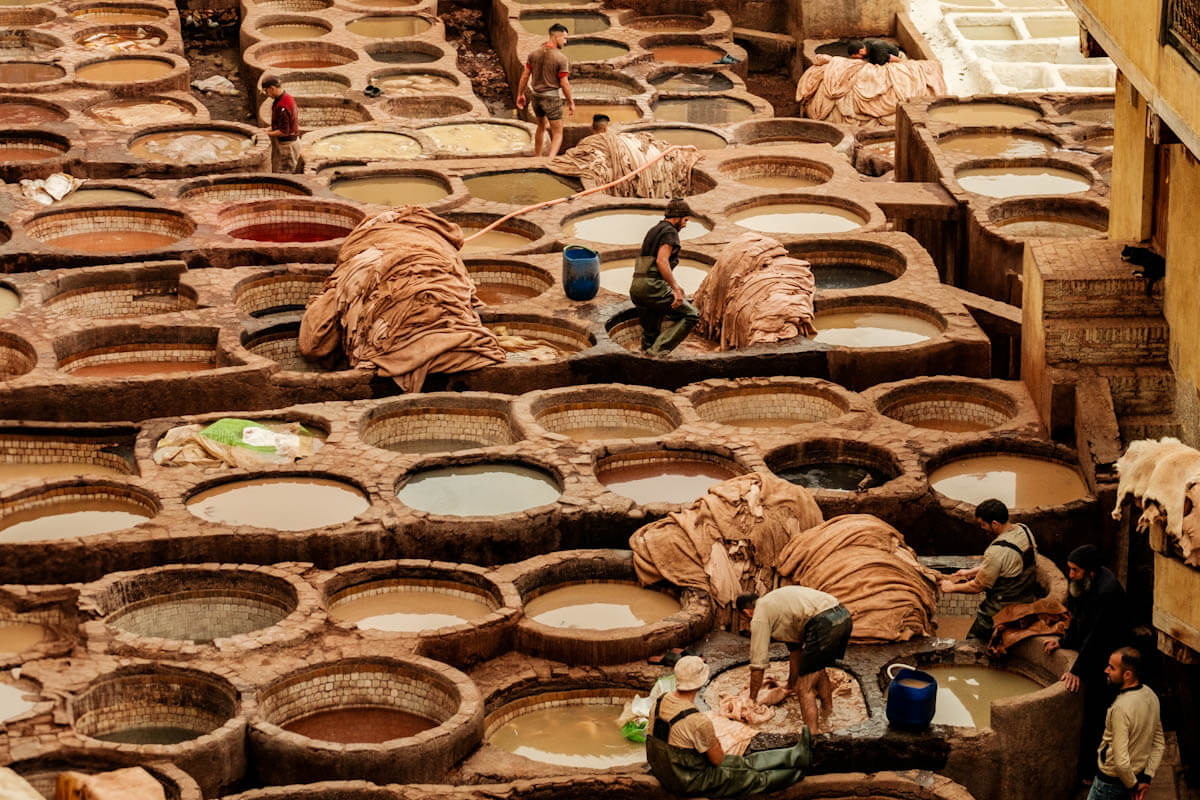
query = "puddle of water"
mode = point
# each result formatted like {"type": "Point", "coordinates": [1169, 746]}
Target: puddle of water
{"type": "Point", "coordinates": [67, 519]}
{"type": "Point", "coordinates": [665, 481]}
{"type": "Point", "coordinates": [872, 329]}
{"type": "Point", "coordinates": [797, 218]}
{"type": "Point", "coordinates": [996, 145]}
{"type": "Point", "coordinates": [359, 725]}
{"type": "Point", "coordinates": [616, 275]}
{"type": "Point", "coordinates": [388, 27]}
{"type": "Point", "coordinates": [521, 188]}
{"type": "Point", "coordinates": [1018, 481]}
{"type": "Point", "coordinates": [377, 145]}
{"type": "Point", "coordinates": [626, 226]}
{"type": "Point", "coordinates": [285, 504]}
{"type": "Point", "coordinates": [479, 138]}
{"type": "Point", "coordinates": [17, 637]}
{"type": "Point", "coordinates": [601, 606]}
{"type": "Point", "coordinates": [965, 693]}
{"type": "Point", "coordinates": [125, 70]}
{"type": "Point", "coordinates": [575, 735]}
{"type": "Point", "coordinates": [834, 476]}
{"type": "Point", "coordinates": [409, 609]}
{"type": "Point", "coordinates": [478, 490]}
{"type": "Point", "coordinates": [984, 114]}
{"type": "Point", "coordinates": [1021, 181]}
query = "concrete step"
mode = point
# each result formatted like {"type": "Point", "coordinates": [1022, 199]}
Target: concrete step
{"type": "Point", "coordinates": [1141, 390]}
{"type": "Point", "coordinates": [1105, 341]}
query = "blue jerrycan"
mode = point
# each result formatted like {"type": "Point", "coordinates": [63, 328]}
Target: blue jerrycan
{"type": "Point", "coordinates": [911, 697]}
{"type": "Point", "coordinates": [580, 272]}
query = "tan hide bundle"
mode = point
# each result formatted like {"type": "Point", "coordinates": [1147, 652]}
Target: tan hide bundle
{"type": "Point", "coordinates": [857, 92]}
{"type": "Point", "coordinates": [604, 157]}
{"type": "Point", "coordinates": [1163, 477]}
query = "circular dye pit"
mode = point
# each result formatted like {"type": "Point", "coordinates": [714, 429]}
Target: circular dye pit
{"type": "Point", "coordinates": [1016, 480]}
{"type": "Point", "coordinates": [848, 276]}
{"type": "Point", "coordinates": [999, 114]}
{"type": "Point", "coordinates": [626, 226]}
{"type": "Point", "coordinates": [696, 137]}
{"type": "Point", "coordinates": [410, 606]}
{"type": "Point", "coordinates": [82, 512]}
{"type": "Point", "coordinates": [1021, 181]}
{"type": "Point", "coordinates": [863, 328]}
{"type": "Point", "coordinates": [29, 112]}
{"type": "Point", "coordinates": [521, 187]}
{"type": "Point", "coordinates": [412, 84]}
{"type": "Point", "coordinates": [43, 470]}
{"type": "Point", "coordinates": [600, 606]}
{"type": "Point", "coordinates": [16, 43]}
{"type": "Point", "coordinates": [581, 50]}
{"type": "Point", "coordinates": [297, 503]}
{"type": "Point", "coordinates": [777, 173]}
{"type": "Point", "coordinates": [766, 408]}
{"type": "Point", "coordinates": [686, 54]}
{"type": "Point", "coordinates": [965, 693]}
{"type": "Point", "coordinates": [669, 23]}
{"type": "Point", "coordinates": [124, 39]}
{"type": "Point", "coordinates": [617, 274]}
{"type": "Point", "coordinates": [293, 31]}
{"type": "Point", "coordinates": [392, 189]}
{"type": "Point", "coordinates": [400, 51]}
{"type": "Point", "coordinates": [290, 221]}
{"type": "Point", "coordinates": [497, 239]}
{"type": "Point", "coordinates": [22, 72]}
{"type": "Point", "coordinates": [790, 131]}
{"type": "Point", "coordinates": [106, 196]}
{"type": "Point", "coordinates": [1048, 226]}
{"type": "Point", "coordinates": [479, 138]}
{"type": "Point", "coordinates": [117, 15]}
{"type": "Point", "coordinates": [576, 24]}
{"type": "Point", "coordinates": [10, 300]}
{"type": "Point", "coordinates": [500, 282]}
{"type": "Point", "coordinates": [690, 82]}
{"type": "Point", "coordinates": [576, 730]}
{"type": "Point", "coordinates": [388, 27]}
{"type": "Point", "coordinates": [437, 428]}
{"type": "Point", "coordinates": [530, 339]}
{"type": "Point", "coordinates": [276, 293]}
{"type": "Point", "coordinates": [110, 230]}
{"type": "Point", "coordinates": [17, 637]}
{"type": "Point", "coordinates": [137, 113]}
{"type": "Point", "coordinates": [142, 363]}
{"type": "Point", "coordinates": [129, 69]}
{"type": "Point", "coordinates": [849, 706]}
{"type": "Point", "coordinates": [957, 407]}
{"type": "Point", "coordinates": [996, 145]}
{"type": "Point", "coordinates": [604, 87]}
{"type": "Point", "coordinates": [372, 145]}
{"type": "Point", "coordinates": [226, 190]}
{"type": "Point", "coordinates": [478, 490]}
{"type": "Point", "coordinates": [30, 147]}
{"type": "Point", "coordinates": [145, 705]}
{"type": "Point", "coordinates": [192, 146]}
{"type": "Point", "coordinates": [702, 110]}
{"type": "Point", "coordinates": [664, 477]}
{"type": "Point", "coordinates": [15, 700]}
{"type": "Point", "coordinates": [308, 84]}
{"type": "Point", "coordinates": [834, 476]}
{"type": "Point", "coordinates": [585, 418]}
{"type": "Point", "coordinates": [798, 218]}
{"type": "Point", "coordinates": [1101, 114]}
{"type": "Point", "coordinates": [616, 112]}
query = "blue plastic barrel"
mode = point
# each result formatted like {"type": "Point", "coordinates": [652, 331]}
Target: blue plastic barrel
{"type": "Point", "coordinates": [911, 697]}
{"type": "Point", "coordinates": [581, 272]}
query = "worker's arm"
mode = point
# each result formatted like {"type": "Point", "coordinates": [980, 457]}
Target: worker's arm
{"type": "Point", "coordinates": [664, 267]}
{"type": "Point", "coordinates": [566, 89]}
{"type": "Point", "coordinates": [756, 681]}
{"type": "Point", "coordinates": [521, 84]}
{"type": "Point", "coordinates": [760, 653]}
{"type": "Point", "coordinates": [1119, 750]}
{"type": "Point", "coordinates": [716, 754]}
{"type": "Point", "coordinates": [1157, 747]}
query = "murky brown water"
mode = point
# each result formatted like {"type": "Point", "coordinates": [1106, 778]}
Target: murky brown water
{"type": "Point", "coordinates": [293, 31]}
{"type": "Point", "coordinates": [13, 701]}
{"type": "Point", "coordinates": [10, 153]}
{"type": "Point", "coordinates": [494, 239]}
{"type": "Point", "coordinates": [17, 637]}
{"type": "Point", "coordinates": [359, 725]}
{"type": "Point", "coordinates": [378, 145]}
{"type": "Point", "coordinates": [700, 139]}
{"type": "Point", "coordinates": [522, 188]}
{"type": "Point", "coordinates": [1021, 181]}
{"type": "Point", "coordinates": [797, 218]}
{"type": "Point", "coordinates": [617, 274]}
{"type": "Point", "coordinates": [686, 54]}
{"type": "Point", "coordinates": [601, 606]}
{"type": "Point", "coordinates": [575, 735]}
{"type": "Point", "coordinates": [500, 294]}
{"type": "Point", "coordinates": [118, 15]}
{"type": "Point", "coordinates": [781, 181]}
{"type": "Point", "coordinates": [408, 608]}
{"type": "Point", "coordinates": [81, 197]}
{"type": "Point", "coordinates": [391, 190]}
{"type": "Point", "coordinates": [129, 369]}
{"type": "Point", "coordinates": [29, 72]}
{"type": "Point", "coordinates": [996, 145]}
{"type": "Point", "coordinates": [135, 113]}
{"type": "Point", "coordinates": [388, 27]}
{"type": "Point", "coordinates": [69, 518]}
{"type": "Point", "coordinates": [988, 33]}
{"type": "Point", "coordinates": [691, 81]}
{"type": "Point", "coordinates": [702, 110]}
{"type": "Point", "coordinates": [478, 490]}
{"type": "Point", "coordinates": [594, 51]}
{"type": "Point", "coordinates": [18, 470]}
{"type": "Point", "coordinates": [415, 83]}
{"type": "Point", "coordinates": [1018, 481]}
{"type": "Point", "coordinates": [1104, 115]}
{"type": "Point", "coordinates": [125, 70]}
{"type": "Point", "coordinates": [626, 226]}
{"type": "Point", "coordinates": [18, 113]}
{"type": "Point", "coordinates": [10, 301]}
{"type": "Point", "coordinates": [965, 693]}
{"type": "Point", "coordinates": [984, 114]}
{"type": "Point", "coordinates": [285, 504]}
{"type": "Point", "coordinates": [872, 329]}
{"type": "Point", "coordinates": [665, 481]}
{"type": "Point", "coordinates": [479, 138]}
{"type": "Point", "coordinates": [1048, 228]}
{"type": "Point", "coordinates": [617, 112]}
{"type": "Point", "coordinates": [576, 24]}
{"type": "Point", "coordinates": [150, 734]}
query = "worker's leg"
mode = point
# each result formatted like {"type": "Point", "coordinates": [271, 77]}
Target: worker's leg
{"type": "Point", "coordinates": [539, 136]}
{"type": "Point", "coordinates": [825, 691]}
{"type": "Point", "coordinates": [680, 322]}
{"type": "Point", "coordinates": [806, 692]}
{"type": "Point", "coordinates": [651, 323]}
{"type": "Point", "coordinates": [556, 136]}
{"type": "Point", "coordinates": [795, 655]}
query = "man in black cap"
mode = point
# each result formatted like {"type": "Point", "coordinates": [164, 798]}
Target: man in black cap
{"type": "Point", "coordinates": [654, 289]}
{"type": "Point", "coordinates": [1099, 625]}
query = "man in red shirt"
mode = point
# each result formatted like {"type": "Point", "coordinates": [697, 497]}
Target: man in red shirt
{"type": "Point", "coordinates": [285, 130]}
{"type": "Point", "coordinates": [546, 70]}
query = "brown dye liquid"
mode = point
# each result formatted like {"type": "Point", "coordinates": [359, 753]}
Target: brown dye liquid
{"type": "Point", "coordinates": [575, 735]}
{"type": "Point", "coordinates": [368, 144]}
{"type": "Point", "coordinates": [478, 490]}
{"type": "Point", "coordinates": [951, 425]}
{"type": "Point", "coordinates": [588, 434]}
{"type": "Point", "coordinates": [133, 369]}
{"type": "Point", "coordinates": [703, 110]}
{"type": "Point", "coordinates": [118, 15]}
{"type": "Point", "coordinates": [190, 146]}
{"type": "Point", "coordinates": [665, 481]}
{"type": "Point", "coordinates": [872, 329]}
{"type": "Point", "coordinates": [781, 181]}
{"type": "Point", "coordinates": [691, 82]}
{"type": "Point", "coordinates": [988, 33]}
{"type": "Point", "coordinates": [984, 114]}
{"type": "Point", "coordinates": [135, 113]}
{"type": "Point", "coordinates": [996, 145]}
{"type": "Point", "coordinates": [617, 112]}
{"type": "Point", "coordinates": [498, 294]}
{"type": "Point", "coordinates": [388, 27]}
{"type": "Point", "coordinates": [520, 188]}
{"type": "Point", "coordinates": [151, 734]}
{"type": "Point", "coordinates": [17, 637]}
{"type": "Point", "coordinates": [668, 24]}
{"type": "Point", "coordinates": [290, 32]}
{"type": "Point", "coordinates": [686, 54]}
{"type": "Point", "coordinates": [1102, 114]}
{"type": "Point", "coordinates": [27, 114]}
{"type": "Point", "coordinates": [1049, 228]}
{"type": "Point", "coordinates": [9, 153]}
{"type": "Point", "coordinates": [9, 301]}
{"type": "Point", "coordinates": [387, 3]}
{"type": "Point", "coordinates": [81, 197]}
{"type": "Point", "coordinates": [70, 518]}
{"type": "Point", "coordinates": [409, 609]}
{"type": "Point", "coordinates": [576, 24]}
{"type": "Point", "coordinates": [700, 139]}
{"type": "Point", "coordinates": [312, 62]}
{"type": "Point", "coordinates": [29, 72]}
{"type": "Point", "coordinates": [20, 471]}
{"type": "Point", "coordinates": [594, 51]}
{"type": "Point", "coordinates": [1017, 481]}
{"type": "Point", "coordinates": [359, 725]}
{"type": "Point", "coordinates": [1021, 181]}
{"type": "Point", "coordinates": [415, 83]}
{"type": "Point", "coordinates": [627, 226]}
{"type": "Point", "coordinates": [391, 190]}
{"type": "Point", "coordinates": [1052, 27]}
{"type": "Point", "coordinates": [113, 241]}
{"type": "Point", "coordinates": [13, 702]}
{"type": "Point", "coordinates": [493, 240]}
{"type": "Point", "coordinates": [284, 504]}
{"type": "Point", "coordinates": [798, 218]}
{"type": "Point", "coordinates": [1100, 143]}
{"type": "Point", "coordinates": [965, 693]}
{"type": "Point", "coordinates": [617, 275]}
{"type": "Point", "coordinates": [476, 138]}
{"type": "Point", "coordinates": [601, 606]}
{"type": "Point", "coordinates": [125, 70]}
{"type": "Point", "coordinates": [913, 683]}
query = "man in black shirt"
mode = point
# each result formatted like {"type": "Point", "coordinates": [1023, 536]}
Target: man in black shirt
{"type": "Point", "coordinates": [654, 289]}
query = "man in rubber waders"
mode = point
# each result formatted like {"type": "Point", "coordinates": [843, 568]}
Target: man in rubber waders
{"type": "Point", "coordinates": [654, 290]}
{"type": "Point", "coordinates": [1008, 573]}
{"type": "Point", "coordinates": [546, 72]}
{"type": "Point", "coordinates": [685, 755]}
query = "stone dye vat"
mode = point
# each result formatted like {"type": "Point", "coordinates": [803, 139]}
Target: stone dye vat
{"type": "Point", "coordinates": [1049, 227]}
{"type": "Point", "coordinates": [438, 423]}
{"type": "Point", "coordinates": [768, 405]}
{"type": "Point", "coordinates": [616, 112]}
{"type": "Point", "coordinates": [396, 27]}
{"type": "Point", "coordinates": [787, 130]}
{"type": "Point", "coordinates": [117, 14]}
{"type": "Point", "coordinates": [277, 292]}
{"type": "Point", "coordinates": [127, 69]}
{"type": "Point", "coordinates": [996, 145]}
{"type": "Point", "coordinates": [301, 55]}
{"type": "Point", "coordinates": [983, 113]}
{"type": "Point", "coordinates": [15, 700]}
{"type": "Point", "coordinates": [965, 692]}
{"type": "Point", "coordinates": [409, 606]}
{"type": "Point", "coordinates": [289, 220]}
{"type": "Point", "coordinates": [294, 28]}
{"type": "Point", "coordinates": [499, 282]}
{"type": "Point", "coordinates": [228, 190]}
{"type": "Point", "coordinates": [575, 729]}
{"type": "Point", "coordinates": [42, 772]}
{"type": "Point", "coordinates": [479, 138]}
{"type": "Point", "coordinates": [539, 24]}
{"type": "Point", "coordinates": [669, 23]}
{"type": "Point", "coordinates": [29, 111]}
{"type": "Point", "coordinates": [532, 339]}
{"type": "Point", "coordinates": [294, 503]}
{"type": "Point", "coordinates": [371, 145]}
{"type": "Point", "coordinates": [28, 72]}
{"type": "Point", "coordinates": [835, 465]}
{"type": "Point", "coordinates": [1068, 217]}
{"type": "Point", "coordinates": [662, 476]}
{"type": "Point", "coordinates": [777, 173]}
{"type": "Point", "coordinates": [392, 188]}
{"type": "Point", "coordinates": [415, 83]}
{"type": "Point", "coordinates": [686, 54]}
{"type": "Point", "coordinates": [1019, 481]}
{"type": "Point", "coordinates": [111, 230]}
{"type": "Point", "coordinates": [582, 50]}
{"type": "Point", "coordinates": [192, 146]}
{"type": "Point", "coordinates": [31, 146]}
{"type": "Point", "coordinates": [690, 81]}
{"type": "Point", "coordinates": [103, 196]}
{"type": "Point", "coordinates": [616, 274]}
{"type": "Point", "coordinates": [17, 637]}
{"type": "Point", "coordinates": [478, 490]}
{"type": "Point", "coordinates": [700, 138]}
{"type": "Point", "coordinates": [520, 187]}
{"type": "Point", "coordinates": [115, 294]}
{"type": "Point", "coordinates": [955, 406]}
{"type": "Point", "coordinates": [121, 352]}
{"type": "Point", "coordinates": [702, 110]}
{"type": "Point", "coordinates": [626, 225]}
{"type": "Point", "coordinates": [600, 606]}
{"type": "Point", "coordinates": [799, 217]}
{"type": "Point", "coordinates": [30, 453]}
{"type": "Point", "coordinates": [74, 511]}
{"type": "Point", "coordinates": [140, 112]}
{"type": "Point", "coordinates": [603, 412]}
{"type": "Point", "coordinates": [874, 327]}
{"type": "Point", "coordinates": [1021, 181]}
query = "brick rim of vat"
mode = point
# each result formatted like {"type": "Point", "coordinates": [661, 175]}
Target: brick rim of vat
{"type": "Point", "coordinates": [308, 105]}
{"type": "Point", "coordinates": [68, 296]}
{"type": "Point", "coordinates": [753, 166]}
{"type": "Point", "coordinates": [872, 218]}
{"type": "Point", "coordinates": [528, 460]}
{"type": "Point", "coordinates": [502, 264]}
{"type": "Point", "coordinates": [27, 16]}
{"type": "Point", "coordinates": [896, 461]}
{"type": "Point", "coordinates": [48, 763]}
{"type": "Point", "coordinates": [196, 189]}
{"type": "Point", "coordinates": [55, 144]}
{"type": "Point", "coordinates": [16, 350]}
{"type": "Point", "coordinates": [531, 407]}
{"type": "Point", "coordinates": [179, 65]}
{"type": "Point", "coordinates": [619, 455]}
{"type": "Point", "coordinates": [313, 274]}
{"type": "Point", "coordinates": [254, 338]}
{"type": "Point", "coordinates": [236, 215]}
{"type": "Point", "coordinates": [579, 334]}
{"type": "Point", "coordinates": [703, 393]}
{"type": "Point", "coordinates": [48, 493]}
{"type": "Point", "coordinates": [959, 390]}
{"type": "Point", "coordinates": [1066, 208]}
{"type": "Point", "coordinates": [21, 443]}
{"type": "Point", "coordinates": [300, 473]}
{"type": "Point", "coordinates": [33, 100]}
{"type": "Point", "coordinates": [783, 129]}
{"type": "Point", "coordinates": [131, 337]}
{"type": "Point", "coordinates": [1088, 173]}
{"type": "Point", "coordinates": [482, 404]}
{"type": "Point", "coordinates": [428, 106]}
{"type": "Point", "coordinates": [819, 252]}
{"type": "Point", "coordinates": [309, 75]}
{"type": "Point", "coordinates": [290, 18]}
{"type": "Point", "coordinates": [183, 225]}
{"type": "Point", "coordinates": [31, 688]}
{"type": "Point", "coordinates": [269, 51]}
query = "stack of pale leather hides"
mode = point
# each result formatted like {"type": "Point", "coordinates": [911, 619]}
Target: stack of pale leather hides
{"type": "Point", "coordinates": [755, 293]}
{"type": "Point", "coordinates": [728, 541]}
{"type": "Point", "coordinates": [860, 93]}
{"type": "Point", "coordinates": [864, 563]}
{"type": "Point", "coordinates": [400, 301]}
{"type": "Point", "coordinates": [1163, 477]}
{"type": "Point", "coordinates": [604, 157]}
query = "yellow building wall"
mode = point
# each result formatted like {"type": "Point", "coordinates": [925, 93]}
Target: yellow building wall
{"type": "Point", "coordinates": [1131, 195]}
{"type": "Point", "coordinates": [1181, 297]}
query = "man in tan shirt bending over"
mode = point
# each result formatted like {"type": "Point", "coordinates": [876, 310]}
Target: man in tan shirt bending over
{"type": "Point", "coordinates": [1131, 749]}
{"type": "Point", "coordinates": [546, 70]}
{"type": "Point", "coordinates": [816, 629]}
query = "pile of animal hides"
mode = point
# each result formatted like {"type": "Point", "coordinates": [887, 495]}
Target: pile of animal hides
{"type": "Point", "coordinates": [1163, 477]}
{"type": "Point", "coordinates": [604, 157]}
{"type": "Point", "coordinates": [860, 93]}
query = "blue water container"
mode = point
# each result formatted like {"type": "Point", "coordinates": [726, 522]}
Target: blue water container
{"type": "Point", "coordinates": [581, 272]}
{"type": "Point", "coordinates": [911, 697]}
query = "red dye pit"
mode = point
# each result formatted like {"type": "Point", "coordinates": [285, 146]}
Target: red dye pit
{"type": "Point", "coordinates": [290, 232]}
{"type": "Point", "coordinates": [359, 725]}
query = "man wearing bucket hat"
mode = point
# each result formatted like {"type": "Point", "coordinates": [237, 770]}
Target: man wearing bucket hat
{"type": "Point", "coordinates": [685, 755]}
{"type": "Point", "coordinates": [654, 289]}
